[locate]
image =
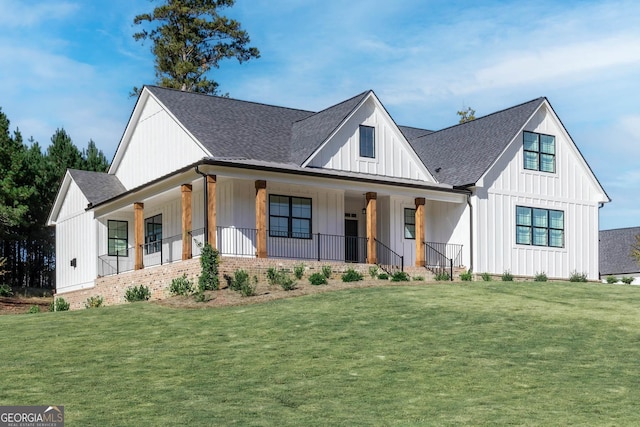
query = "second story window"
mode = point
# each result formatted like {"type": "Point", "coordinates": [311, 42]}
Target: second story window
{"type": "Point", "coordinates": [539, 152]}
{"type": "Point", "coordinates": [367, 142]}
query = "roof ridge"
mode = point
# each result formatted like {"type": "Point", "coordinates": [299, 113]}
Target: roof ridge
{"type": "Point", "coordinates": [230, 99]}
{"type": "Point", "coordinates": [334, 105]}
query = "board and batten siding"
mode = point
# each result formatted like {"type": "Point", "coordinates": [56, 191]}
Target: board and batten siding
{"type": "Point", "coordinates": [571, 189]}
{"type": "Point", "coordinates": [394, 157]}
{"type": "Point", "coordinates": [73, 240]}
{"type": "Point", "coordinates": [161, 142]}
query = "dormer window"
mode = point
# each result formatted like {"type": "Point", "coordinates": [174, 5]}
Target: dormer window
{"type": "Point", "coordinates": [539, 152]}
{"type": "Point", "coordinates": [367, 142]}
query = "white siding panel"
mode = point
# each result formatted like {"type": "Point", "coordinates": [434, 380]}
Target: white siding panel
{"type": "Point", "coordinates": [75, 240]}
{"type": "Point", "coordinates": [161, 142]}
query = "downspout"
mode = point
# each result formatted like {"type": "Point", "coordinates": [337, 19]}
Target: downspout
{"type": "Point", "coordinates": [600, 206]}
{"type": "Point", "coordinates": [206, 205]}
{"type": "Point", "coordinates": [470, 232]}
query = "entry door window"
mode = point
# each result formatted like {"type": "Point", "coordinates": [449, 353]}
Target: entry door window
{"type": "Point", "coordinates": [153, 234]}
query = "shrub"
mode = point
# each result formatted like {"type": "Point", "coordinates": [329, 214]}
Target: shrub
{"type": "Point", "coordinates": [466, 276]}
{"type": "Point", "coordinates": [200, 296]}
{"type": "Point", "coordinates": [627, 280]}
{"type": "Point", "coordinates": [240, 278]}
{"type": "Point", "coordinates": [286, 282]}
{"type": "Point", "coordinates": [399, 276]}
{"type": "Point", "coordinates": [94, 302]}
{"type": "Point", "coordinates": [137, 293]}
{"type": "Point", "coordinates": [351, 276]}
{"type": "Point", "coordinates": [5, 290]}
{"type": "Point", "coordinates": [326, 271]}
{"type": "Point", "coordinates": [272, 276]}
{"type": "Point", "coordinates": [507, 276]}
{"type": "Point", "coordinates": [61, 305]}
{"type": "Point", "coordinates": [486, 277]}
{"type": "Point", "coordinates": [383, 276]}
{"type": "Point", "coordinates": [578, 277]}
{"type": "Point", "coordinates": [34, 309]}
{"type": "Point", "coordinates": [248, 289]}
{"type": "Point", "coordinates": [612, 279]}
{"type": "Point", "coordinates": [317, 279]}
{"type": "Point", "coordinates": [373, 271]}
{"type": "Point", "coordinates": [443, 277]}
{"type": "Point", "coordinates": [298, 271]}
{"type": "Point", "coordinates": [418, 278]}
{"type": "Point", "coordinates": [181, 286]}
{"type": "Point", "coordinates": [540, 277]}
{"type": "Point", "coordinates": [209, 262]}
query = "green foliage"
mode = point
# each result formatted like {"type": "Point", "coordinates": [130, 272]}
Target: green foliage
{"type": "Point", "coordinates": [351, 276]}
{"type": "Point", "coordinates": [181, 286]}
{"type": "Point", "coordinates": [94, 302]}
{"type": "Point", "coordinates": [635, 249]}
{"type": "Point", "coordinates": [418, 278]}
{"type": "Point", "coordinates": [317, 279]}
{"type": "Point", "coordinates": [298, 271]}
{"type": "Point", "coordinates": [627, 280]}
{"type": "Point", "coordinates": [5, 290]}
{"type": "Point", "coordinates": [540, 277]}
{"type": "Point", "coordinates": [280, 278]}
{"type": "Point", "coordinates": [467, 115]}
{"type": "Point", "coordinates": [507, 276]}
{"type": "Point", "coordinates": [209, 262]}
{"type": "Point", "coordinates": [94, 159]}
{"type": "Point", "coordinates": [326, 271]}
{"type": "Point", "coordinates": [189, 38]}
{"type": "Point", "coordinates": [383, 276]}
{"type": "Point", "coordinates": [612, 279]}
{"type": "Point", "coordinates": [272, 275]}
{"type": "Point", "coordinates": [242, 284]}
{"type": "Point", "coordinates": [61, 305]}
{"type": "Point", "coordinates": [239, 279]}
{"type": "Point", "coordinates": [34, 309]}
{"type": "Point", "coordinates": [373, 271]}
{"type": "Point", "coordinates": [578, 277]}
{"type": "Point", "coordinates": [442, 277]}
{"type": "Point", "coordinates": [486, 277]}
{"type": "Point", "coordinates": [467, 276]}
{"type": "Point", "coordinates": [400, 276]}
{"type": "Point", "coordinates": [137, 293]}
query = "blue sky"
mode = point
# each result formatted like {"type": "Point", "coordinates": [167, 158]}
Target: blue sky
{"type": "Point", "coordinates": [72, 64]}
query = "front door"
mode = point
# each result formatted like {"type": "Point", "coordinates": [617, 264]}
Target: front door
{"type": "Point", "coordinates": [351, 240]}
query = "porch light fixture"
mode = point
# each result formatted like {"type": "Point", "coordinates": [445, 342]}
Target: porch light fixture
{"type": "Point", "coordinates": [73, 263]}
{"type": "Point", "coordinates": [364, 211]}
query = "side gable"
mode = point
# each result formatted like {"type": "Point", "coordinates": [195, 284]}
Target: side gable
{"type": "Point", "coordinates": [394, 156]}
{"type": "Point", "coordinates": [69, 201]}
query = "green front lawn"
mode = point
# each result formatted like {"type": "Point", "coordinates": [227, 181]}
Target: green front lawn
{"type": "Point", "coordinates": [447, 354]}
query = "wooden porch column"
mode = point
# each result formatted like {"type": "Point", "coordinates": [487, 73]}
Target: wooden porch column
{"type": "Point", "coordinates": [138, 234]}
{"type": "Point", "coordinates": [371, 197]}
{"type": "Point", "coordinates": [211, 210]}
{"type": "Point", "coordinates": [420, 262]}
{"type": "Point", "coordinates": [186, 221]}
{"type": "Point", "coordinates": [261, 219]}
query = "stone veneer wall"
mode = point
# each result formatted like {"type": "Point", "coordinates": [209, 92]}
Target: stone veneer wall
{"type": "Point", "coordinates": [158, 278]}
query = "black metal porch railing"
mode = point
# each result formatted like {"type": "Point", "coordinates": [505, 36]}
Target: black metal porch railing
{"type": "Point", "coordinates": [388, 260]}
{"type": "Point", "coordinates": [236, 241]}
{"type": "Point", "coordinates": [440, 258]}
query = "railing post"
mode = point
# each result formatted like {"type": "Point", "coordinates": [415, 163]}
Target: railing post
{"type": "Point", "coordinates": [401, 262]}
{"type": "Point", "coordinates": [117, 262]}
{"type": "Point", "coordinates": [318, 246]}
{"type": "Point", "coordinates": [451, 268]}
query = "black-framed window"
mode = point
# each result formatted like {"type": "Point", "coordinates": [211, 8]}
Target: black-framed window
{"type": "Point", "coordinates": [153, 234]}
{"type": "Point", "coordinates": [539, 152]}
{"type": "Point", "coordinates": [367, 142]}
{"type": "Point", "coordinates": [289, 216]}
{"type": "Point", "coordinates": [409, 223]}
{"type": "Point", "coordinates": [117, 238]}
{"type": "Point", "coordinates": [539, 227]}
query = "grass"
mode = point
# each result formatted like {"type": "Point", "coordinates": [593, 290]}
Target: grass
{"type": "Point", "coordinates": [451, 354]}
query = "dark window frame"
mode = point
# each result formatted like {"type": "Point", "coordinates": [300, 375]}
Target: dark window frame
{"type": "Point", "coordinates": [116, 239]}
{"type": "Point", "coordinates": [152, 239]}
{"type": "Point", "coordinates": [409, 223]}
{"type": "Point", "coordinates": [291, 218]}
{"type": "Point", "coordinates": [539, 153]}
{"type": "Point", "coordinates": [531, 228]}
{"type": "Point", "coordinates": [365, 150]}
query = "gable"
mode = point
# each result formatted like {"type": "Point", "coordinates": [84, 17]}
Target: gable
{"type": "Point", "coordinates": [154, 144]}
{"type": "Point", "coordinates": [572, 179]}
{"type": "Point", "coordinates": [69, 202]}
{"type": "Point", "coordinates": [393, 156]}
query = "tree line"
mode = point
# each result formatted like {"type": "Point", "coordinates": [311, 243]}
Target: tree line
{"type": "Point", "coordinates": [29, 181]}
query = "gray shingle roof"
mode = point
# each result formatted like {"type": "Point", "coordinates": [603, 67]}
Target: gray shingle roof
{"type": "Point", "coordinates": [312, 131]}
{"type": "Point", "coordinates": [97, 186]}
{"type": "Point", "coordinates": [461, 154]}
{"type": "Point", "coordinates": [615, 251]}
{"type": "Point", "coordinates": [229, 128]}
{"type": "Point", "coordinates": [412, 133]}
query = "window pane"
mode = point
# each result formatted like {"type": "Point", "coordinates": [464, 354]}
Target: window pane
{"type": "Point", "coordinates": [556, 238]}
{"type": "Point", "coordinates": [530, 160]}
{"type": "Point", "coordinates": [556, 219]}
{"type": "Point", "coordinates": [279, 205]}
{"type": "Point", "coordinates": [300, 228]}
{"type": "Point", "coordinates": [540, 236]}
{"type": "Point", "coordinates": [531, 141]}
{"type": "Point", "coordinates": [523, 216]}
{"type": "Point", "coordinates": [540, 218]}
{"type": "Point", "coordinates": [547, 144]}
{"type": "Point", "coordinates": [547, 163]}
{"type": "Point", "coordinates": [367, 144]}
{"type": "Point", "coordinates": [409, 231]}
{"type": "Point", "coordinates": [523, 235]}
{"type": "Point", "coordinates": [278, 226]}
{"type": "Point", "coordinates": [301, 208]}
